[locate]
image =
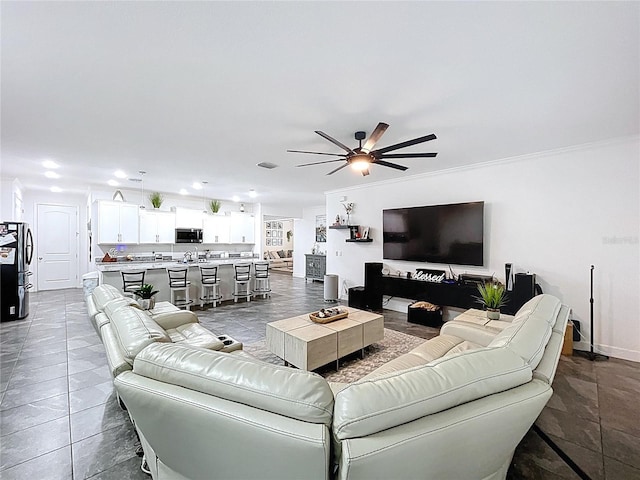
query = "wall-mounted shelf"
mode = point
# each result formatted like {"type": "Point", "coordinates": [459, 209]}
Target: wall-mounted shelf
{"type": "Point", "coordinates": [359, 240]}
{"type": "Point", "coordinates": [340, 227]}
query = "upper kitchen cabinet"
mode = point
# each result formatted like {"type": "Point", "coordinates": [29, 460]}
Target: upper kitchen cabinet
{"type": "Point", "coordinates": [216, 229]}
{"type": "Point", "coordinates": [117, 222]}
{"type": "Point", "coordinates": [157, 227]}
{"type": "Point", "coordinates": [243, 228]}
{"type": "Point", "coordinates": [188, 218]}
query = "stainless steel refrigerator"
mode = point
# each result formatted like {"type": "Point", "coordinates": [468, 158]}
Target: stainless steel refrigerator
{"type": "Point", "coordinates": [16, 251]}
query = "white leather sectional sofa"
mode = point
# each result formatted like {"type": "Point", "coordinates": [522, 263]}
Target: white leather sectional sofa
{"type": "Point", "coordinates": [456, 407]}
{"type": "Point", "coordinates": [126, 329]}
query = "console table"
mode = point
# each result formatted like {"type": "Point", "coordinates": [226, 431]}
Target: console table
{"type": "Point", "coordinates": [445, 294]}
{"type": "Point", "coordinates": [315, 267]}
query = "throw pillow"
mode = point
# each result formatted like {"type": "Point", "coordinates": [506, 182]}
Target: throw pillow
{"type": "Point", "coordinates": [289, 253]}
{"type": "Point", "coordinates": [281, 254]}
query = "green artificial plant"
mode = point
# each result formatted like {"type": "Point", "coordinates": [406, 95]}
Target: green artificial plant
{"type": "Point", "coordinates": [156, 199]}
{"type": "Point", "coordinates": [492, 295]}
{"type": "Point", "coordinates": [214, 206]}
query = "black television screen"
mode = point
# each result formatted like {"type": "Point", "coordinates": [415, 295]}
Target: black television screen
{"type": "Point", "coordinates": [438, 233]}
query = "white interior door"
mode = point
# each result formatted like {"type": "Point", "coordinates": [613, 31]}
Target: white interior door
{"type": "Point", "coordinates": [57, 246]}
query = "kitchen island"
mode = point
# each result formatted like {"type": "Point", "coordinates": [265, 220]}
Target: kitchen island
{"type": "Point", "coordinates": [156, 274]}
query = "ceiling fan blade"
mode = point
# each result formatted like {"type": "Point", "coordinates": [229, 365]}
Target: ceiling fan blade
{"type": "Point", "coordinates": [339, 168]}
{"type": "Point", "coordinates": [318, 163]}
{"type": "Point", "coordinates": [365, 172]}
{"type": "Point", "coordinates": [317, 153]}
{"type": "Point", "coordinates": [408, 155]}
{"type": "Point", "coordinates": [408, 143]}
{"type": "Point", "coordinates": [389, 164]}
{"type": "Point", "coordinates": [375, 136]}
{"type": "Point", "coordinates": [334, 141]}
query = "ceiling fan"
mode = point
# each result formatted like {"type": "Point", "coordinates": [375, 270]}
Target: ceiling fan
{"type": "Point", "coordinates": [362, 157]}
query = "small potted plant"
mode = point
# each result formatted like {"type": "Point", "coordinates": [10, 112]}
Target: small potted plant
{"type": "Point", "coordinates": [214, 206]}
{"type": "Point", "coordinates": [156, 199]}
{"type": "Point", "coordinates": [492, 296]}
{"type": "Point", "coordinates": [145, 294]}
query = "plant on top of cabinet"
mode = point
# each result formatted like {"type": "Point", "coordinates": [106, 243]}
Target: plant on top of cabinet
{"type": "Point", "coordinates": [156, 199]}
{"type": "Point", "coordinates": [214, 206]}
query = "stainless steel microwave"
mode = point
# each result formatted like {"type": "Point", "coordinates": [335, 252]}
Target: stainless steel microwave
{"type": "Point", "coordinates": [188, 235]}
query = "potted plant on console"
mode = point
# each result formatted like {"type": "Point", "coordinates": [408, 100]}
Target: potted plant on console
{"type": "Point", "coordinates": [492, 296]}
{"type": "Point", "coordinates": [145, 294]}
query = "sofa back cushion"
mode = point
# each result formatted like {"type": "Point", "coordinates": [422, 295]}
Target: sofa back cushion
{"type": "Point", "coordinates": [285, 391]}
{"type": "Point", "coordinates": [134, 329]}
{"type": "Point", "coordinates": [370, 406]}
{"type": "Point", "coordinates": [531, 328]}
{"type": "Point", "coordinates": [104, 293]}
{"type": "Point", "coordinates": [116, 303]}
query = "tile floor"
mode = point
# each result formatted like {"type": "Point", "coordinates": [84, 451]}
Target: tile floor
{"type": "Point", "coordinates": [59, 418]}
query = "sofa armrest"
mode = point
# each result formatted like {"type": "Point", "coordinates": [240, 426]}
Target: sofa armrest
{"type": "Point", "coordinates": [115, 358]}
{"type": "Point", "coordinates": [171, 320]}
{"type": "Point", "coordinates": [472, 332]}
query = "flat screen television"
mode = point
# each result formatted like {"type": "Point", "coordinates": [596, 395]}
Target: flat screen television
{"type": "Point", "coordinates": [451, 234]}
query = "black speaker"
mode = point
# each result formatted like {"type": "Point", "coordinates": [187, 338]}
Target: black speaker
{"type": "Point", "coordinates": [357, 298]}
{"type": "Point", "coordinates": [373, 285]}
{"type": "Point", "coordinates": [524, 289]}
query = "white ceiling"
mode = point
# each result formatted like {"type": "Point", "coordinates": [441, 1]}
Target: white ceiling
{"type": "Point", "coordinates": [192, 91]}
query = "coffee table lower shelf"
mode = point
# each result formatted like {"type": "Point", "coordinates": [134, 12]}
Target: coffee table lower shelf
{"type": "Point", "coordinates": [308, 346]}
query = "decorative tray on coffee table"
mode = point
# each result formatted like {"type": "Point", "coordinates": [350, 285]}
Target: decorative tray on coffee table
{"type": "Point", "coordinates": [326, 315]}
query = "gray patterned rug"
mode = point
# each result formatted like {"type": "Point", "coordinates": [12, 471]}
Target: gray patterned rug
{"type": "Point", "coordinates": [352, 367]}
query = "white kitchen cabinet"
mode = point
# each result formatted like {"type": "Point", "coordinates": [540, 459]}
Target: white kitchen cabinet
{"type": "Point", "coordinates": [117, 222]}
{"type": "Point", "coordinates": [188, 218]}
{"type": "Point", "coordinates": [157, 227]}
{"type": "Point", "coordinates": [216, 229]}
{"type": "Point", "coordinates": [243, 227]}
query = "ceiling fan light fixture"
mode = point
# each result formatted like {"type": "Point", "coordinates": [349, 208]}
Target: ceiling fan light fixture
{"type": "Point", "coordinates": [360, 162]}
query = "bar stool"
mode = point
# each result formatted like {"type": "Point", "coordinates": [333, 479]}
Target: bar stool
{"type": "Point", "coordinates": [132, 281]}
{"type": "Point", "coordinates": [242, 286]}
{"type": "Point", "coordinates": [261, 283]}
{"type": "Point", "coordinates": [179, 285]}
{"type": "Point", "coordinates": [210, 286]}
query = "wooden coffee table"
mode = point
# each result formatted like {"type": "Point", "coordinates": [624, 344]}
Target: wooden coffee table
{"type": "Point", "coordinates": [309, 345]}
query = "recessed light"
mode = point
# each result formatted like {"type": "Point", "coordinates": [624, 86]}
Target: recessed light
{"type": "Point", "coordinates": [113, 183]}
{"type": "Point", "coordinates": [196, 186]}
{"type": "Point", "coordinates": [50, 164]}
{"type": "Point", "coordinates": [252, 193]}
{"type": "Point", "coordinates": [56, 189]}
{"type": "Point", "coordinates": [120, 174]}
{"type": "Point", "coordinates": [183, 191]}
{"type": "Point", "coordinates": [235, 198]}
{"type": "Point", "coordinates": [51, 174]}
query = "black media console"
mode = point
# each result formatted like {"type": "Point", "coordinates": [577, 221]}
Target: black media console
{"type": "Point", "coordinates": [461, 295]}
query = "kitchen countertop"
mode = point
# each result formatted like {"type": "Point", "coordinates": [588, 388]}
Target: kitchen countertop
{"type": "Point", "coordinates": [162, 264]}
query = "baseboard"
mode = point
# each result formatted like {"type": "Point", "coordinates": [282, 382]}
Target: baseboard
{"type": "Point", "coordinates": [615, 352]}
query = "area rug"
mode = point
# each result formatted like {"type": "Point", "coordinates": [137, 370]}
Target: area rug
{"type": "Point", "coordinates": [352, 367]}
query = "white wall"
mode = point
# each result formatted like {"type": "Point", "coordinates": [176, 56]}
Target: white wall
{"type": "Point", "coordinates": [554, 214]}
{"type": "Point", "coordinates": [304, 233]}
{"type": "Point", "coordinates": [11, 200]}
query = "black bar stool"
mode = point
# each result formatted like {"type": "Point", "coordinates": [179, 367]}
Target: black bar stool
{"type": "Point", "coordinates": [132, 281]}
{"type": "Point", "coordinates": [242, 286]}
{"type": "Point", "coordinates": [179, 286]}
{"type": "Point", "coordinates": [261, 283]}
{"type": "Point", "coordinates": [210, 286]}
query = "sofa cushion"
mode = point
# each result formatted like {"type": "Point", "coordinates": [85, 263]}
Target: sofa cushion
{"type": "Point", "coordinates": [531, 328]}
{"type": "Point", "coordinates": [433, 348]}
{"type": "Point", "coordinates": [401, 397]}
{"type": "Point", "coordinates": [104, 293]}
{"type": "Point", "coordinates": [285, 391]}
{"type": "Point", "coordinates": [195, 335]}
{"type": "Point", "coordinates": [134, 329]}
{"type": "Point", "coordinates": [117, 303]}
